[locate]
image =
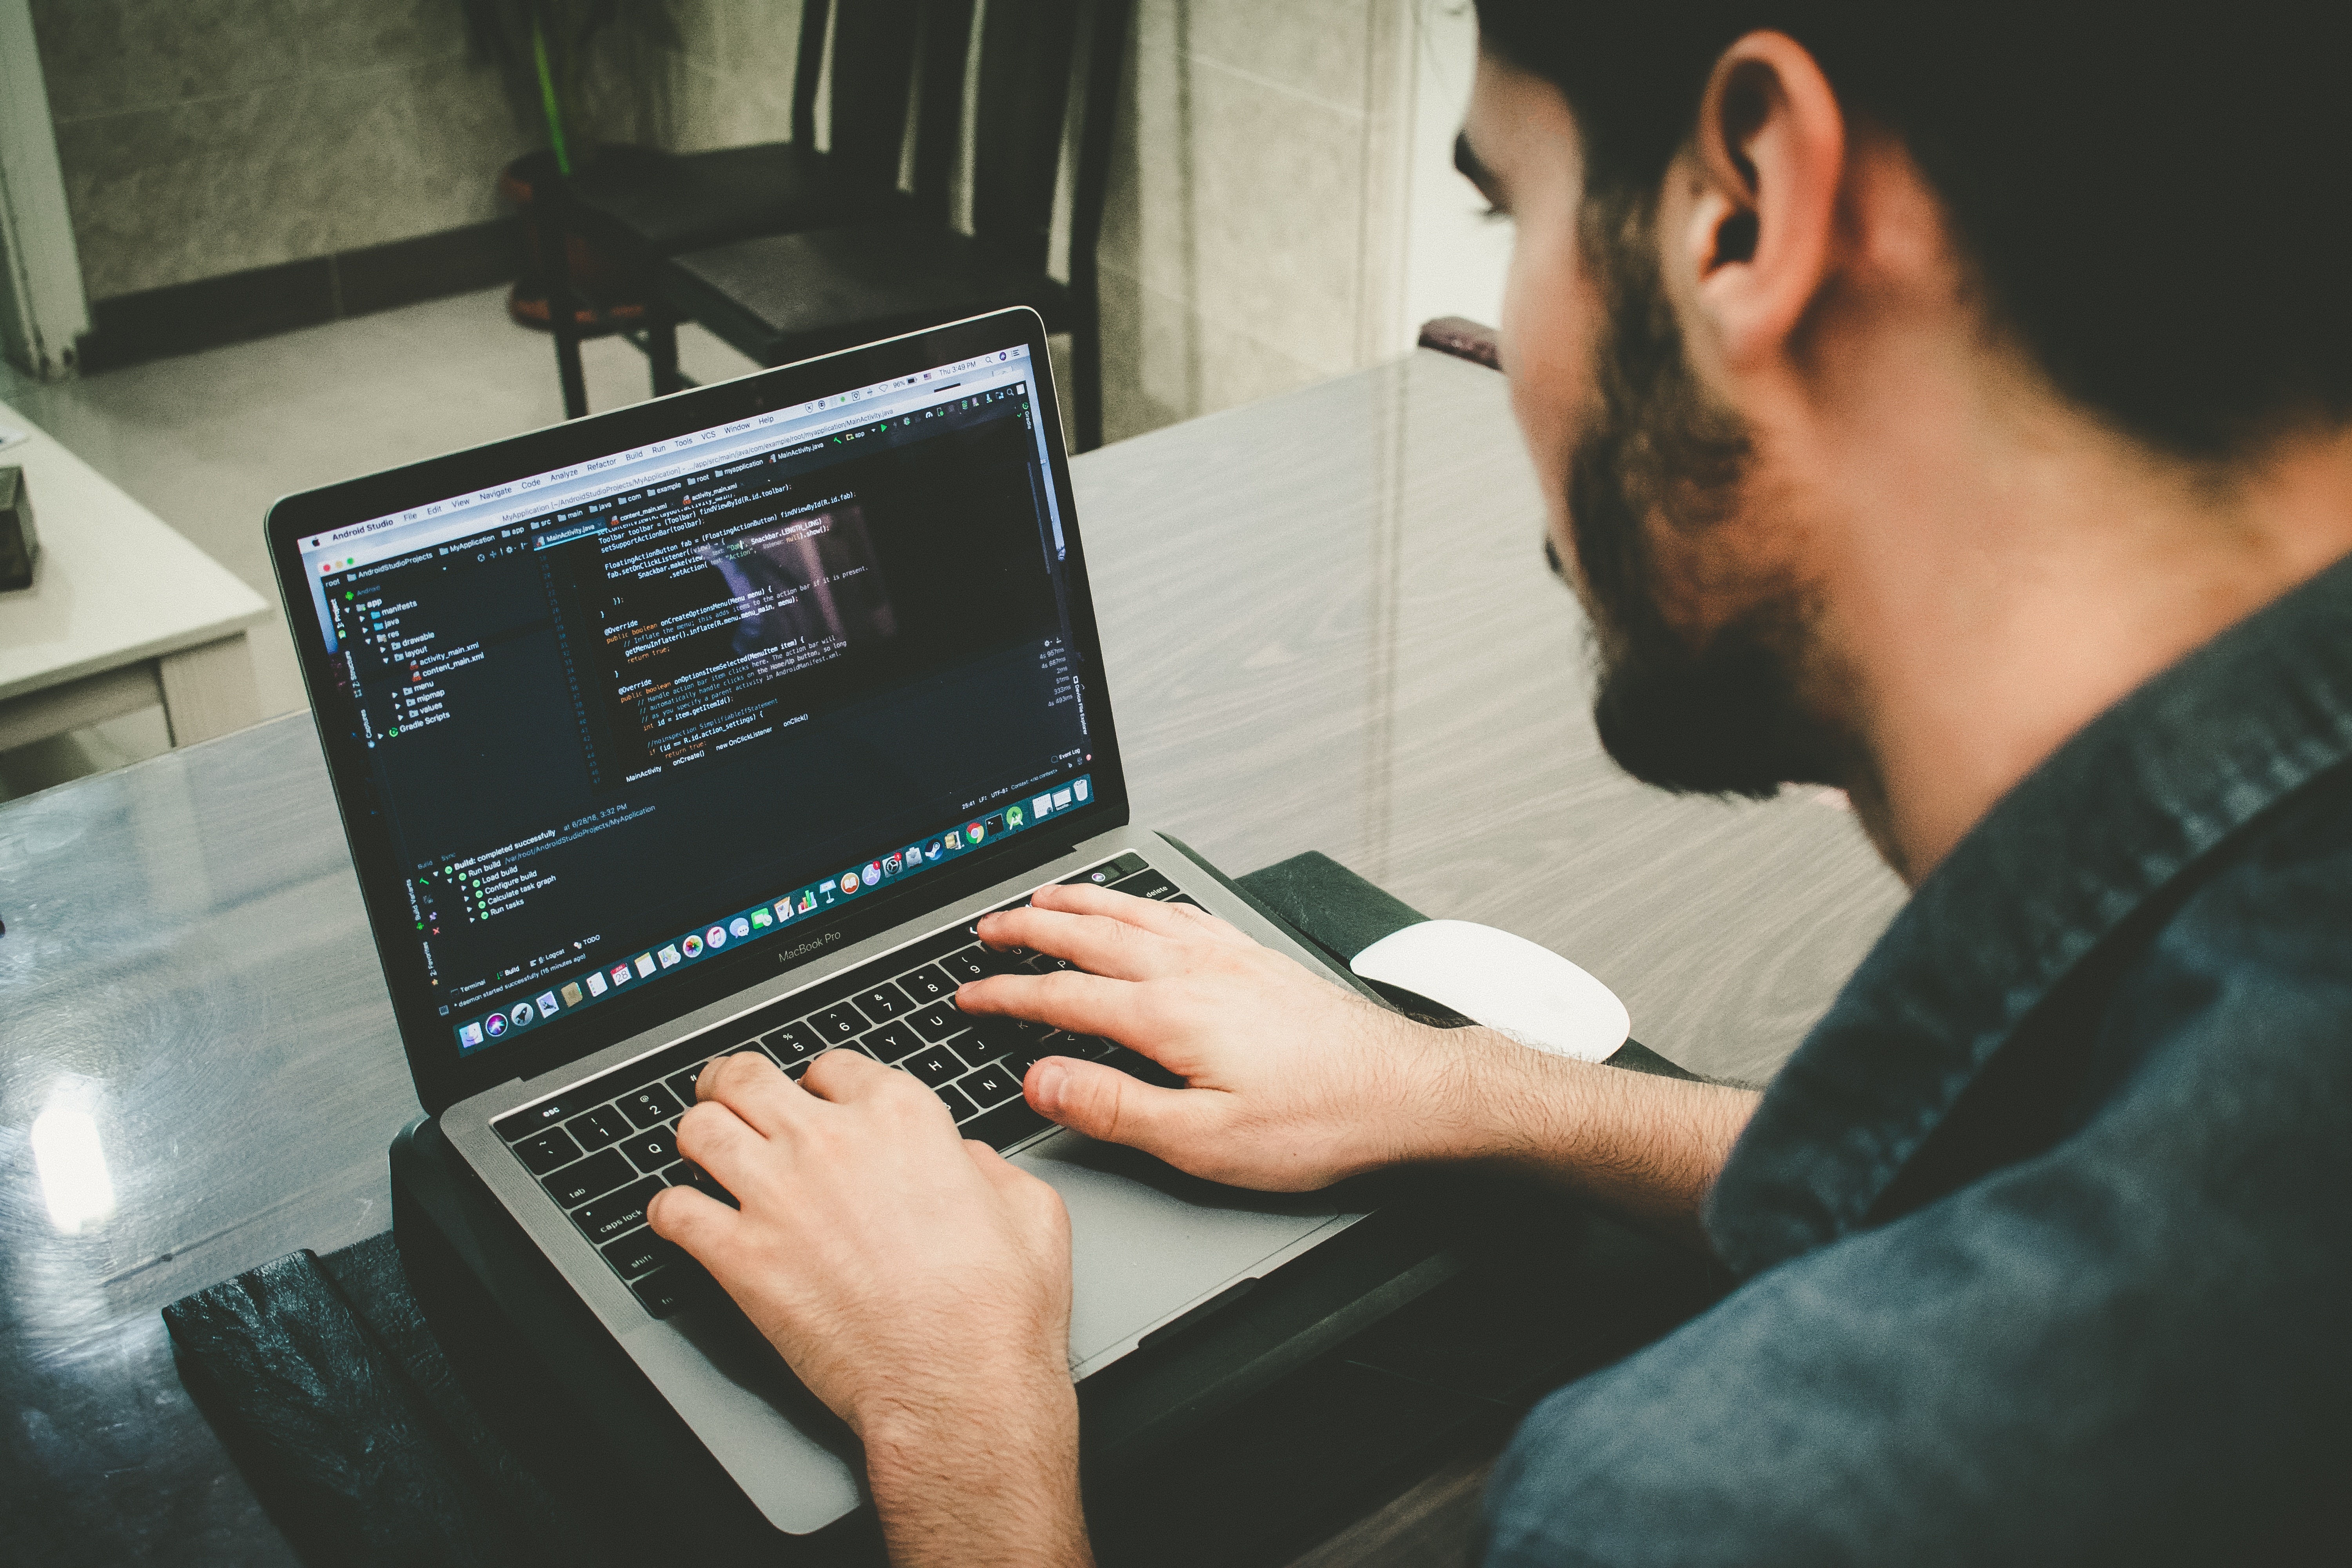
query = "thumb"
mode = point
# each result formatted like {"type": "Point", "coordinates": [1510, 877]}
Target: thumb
{"type": "Point", "coordinates": [1105, 1103]}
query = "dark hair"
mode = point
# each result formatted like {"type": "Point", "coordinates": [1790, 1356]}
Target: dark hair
{"type": "Point", "coordinates": [2154, 197]}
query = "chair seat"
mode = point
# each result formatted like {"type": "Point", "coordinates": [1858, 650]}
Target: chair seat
{"type": "Point", "coordinates": [788, 296]}
{"type": "Point", "coordinates": [665, 202]}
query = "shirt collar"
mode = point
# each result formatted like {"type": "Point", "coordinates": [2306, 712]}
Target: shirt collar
{"type": "Point", "coordinates": [2117, 812]}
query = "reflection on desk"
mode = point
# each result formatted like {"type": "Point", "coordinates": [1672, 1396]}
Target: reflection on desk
{"type": "Point", "coordinates": [1327, 626]}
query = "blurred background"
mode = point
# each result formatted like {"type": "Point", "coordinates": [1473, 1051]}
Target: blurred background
{"type": "Point", "coordinates": [255, 245]}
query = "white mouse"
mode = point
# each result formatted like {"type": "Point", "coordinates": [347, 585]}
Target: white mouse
{"type": "Point", "coordinates": [1504, 981]}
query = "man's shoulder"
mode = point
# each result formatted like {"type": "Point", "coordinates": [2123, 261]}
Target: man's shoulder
{"type": "Point", "coordinates": [2265, 929]}
{"type": "Point", "coordinates": [2125, 1345]}
{"type": "Point", "coordinates": [2279, 895]}
{"type": "Point", "coordinates": [2069, 956]}
{"type": "Point", "coordinates": [2245, 987]}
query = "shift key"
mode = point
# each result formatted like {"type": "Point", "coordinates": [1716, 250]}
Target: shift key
{"type": "Point", "coordinates": [608, 1217]}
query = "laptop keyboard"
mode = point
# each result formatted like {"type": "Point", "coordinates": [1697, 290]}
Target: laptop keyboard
{"type": "Point", "coordinates": [605, 1147]}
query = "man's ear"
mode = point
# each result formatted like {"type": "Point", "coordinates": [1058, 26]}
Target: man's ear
{"type": "Point", "coordinates": [1768, 156]}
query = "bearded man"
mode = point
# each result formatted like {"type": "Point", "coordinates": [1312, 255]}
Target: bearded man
{"type": "Point", "coordinates": [1944, 403]}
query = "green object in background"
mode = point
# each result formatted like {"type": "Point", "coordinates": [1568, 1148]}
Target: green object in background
{"type": "Point", "coordinates": [549, 52]}
{"type": "Point", "coordinates": [547, 103]}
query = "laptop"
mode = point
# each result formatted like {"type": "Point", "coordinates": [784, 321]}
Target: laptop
{"type": "Point", "coordinates": [712, 725]}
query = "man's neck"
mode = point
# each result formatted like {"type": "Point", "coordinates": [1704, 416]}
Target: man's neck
{"type": "Point", "coordinates": [2039, 587]}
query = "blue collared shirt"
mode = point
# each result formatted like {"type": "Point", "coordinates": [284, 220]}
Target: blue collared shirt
{"type": "Point", "coordinates": [2044, 1234]}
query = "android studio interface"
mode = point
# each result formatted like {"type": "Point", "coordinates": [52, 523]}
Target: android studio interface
{"type": "Point", "coordinates": [620, 716]}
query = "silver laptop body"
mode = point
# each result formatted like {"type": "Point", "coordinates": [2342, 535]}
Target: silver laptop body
{"type": "Point", "coordinates": [392, 670]}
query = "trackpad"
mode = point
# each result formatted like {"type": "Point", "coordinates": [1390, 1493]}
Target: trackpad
{"type": "Point", "coordinates": [1148, 1241]}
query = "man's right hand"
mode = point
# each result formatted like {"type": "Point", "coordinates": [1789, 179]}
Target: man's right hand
{"type": "Point", "coordinates": [1295, 1082]}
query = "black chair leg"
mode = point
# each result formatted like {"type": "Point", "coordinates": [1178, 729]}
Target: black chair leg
{"type": "Point", "coordinates": [661, 351]}
{"type": "Point", "coordinates": [562, 311]}
{"type": "Point", "coordinates": [567, 366]}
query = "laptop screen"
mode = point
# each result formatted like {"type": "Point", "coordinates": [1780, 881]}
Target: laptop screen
{"type": "Point", "coordinates": [623, 716]}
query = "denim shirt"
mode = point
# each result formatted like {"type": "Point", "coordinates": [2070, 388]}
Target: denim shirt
{"type": "Point", "coordinates": [2044, 1234]}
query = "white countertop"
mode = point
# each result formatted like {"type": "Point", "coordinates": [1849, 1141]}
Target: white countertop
{"type": "Point", "coordinates": [114, 584]}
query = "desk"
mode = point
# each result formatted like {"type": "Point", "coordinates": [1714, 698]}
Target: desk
{"type": "Point", "coordinates": [122, 613]}
{"type": "Point", "coordinates": [1326, 626]}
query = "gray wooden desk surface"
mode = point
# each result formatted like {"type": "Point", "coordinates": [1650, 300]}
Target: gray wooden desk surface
{"type": "Point", "coordinates": [1327, 626]}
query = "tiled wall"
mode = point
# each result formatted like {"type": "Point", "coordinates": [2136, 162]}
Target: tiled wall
{"type": "Point", "coordinates": [732, 81]}
{"type": "Point", "coordinates": [1248, 247]}
{"type": "Point", "coordinates": [204, 137]}
{"type": "Point", "coordinates": [1249, 244]}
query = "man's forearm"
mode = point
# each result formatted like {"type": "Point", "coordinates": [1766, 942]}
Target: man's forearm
{"type": "Point", "coordinates": [1647, 1147]}
{"type": "Point", "coordinates": [980, 1483]}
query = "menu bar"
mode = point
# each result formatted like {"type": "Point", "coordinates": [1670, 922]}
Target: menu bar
{"type": "Point", "coordinates": [534, 493]}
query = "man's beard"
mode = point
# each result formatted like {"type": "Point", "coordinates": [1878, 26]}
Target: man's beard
{"type": "Point", "coordinates": [1725, 717]}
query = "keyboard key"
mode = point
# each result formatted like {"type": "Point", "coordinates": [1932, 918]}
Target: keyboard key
{"type": "Point", "coordinates": [667, 1289]}
{"type": "Point", "coordinates": [1183, 898]}
{"type": "Point", "coordinates": [1006, 1125]}
{"type": "Point", "coordinates": [793, 1043]}
{"type": "Point", "coordinates": [547, 1150]}
{"type": "Point", "coordinates": [686, 1174]}
{"type": "Point", "coordinates": [650, 1106]}
{"type": "Point", "coordinates": [1145, 885]}
{"type": "Point", "coordinates": [883, 1003]}
{"type": "Point", "coordinates": [967, 964]}
{"type": "Point", "coordinates": [953, 1099]}
{"type": "Point", "coordinates": [892, 1041]}
{"type": "Point", "coordinates": [599, 1127]}
{"type": "Point", "coordinates": [1019, 1062]}
{"type": "Point", "coordinates": [839, 1025]}
{"type": "Point", "coordinates": [936, 1065]}
{"type": "Point", "coordinates": [1085, 1047]}
{"type": "Point", "coordinates": [650, 1151]}
{"type": "Point", "coordinates": [938, 1021]}
{"type": "Point", "coordinates": [590, 1178]}
{"type": "Point", "coordinates": [1127, 864]}
{"type": "Point", "coordinates": [989, 1086]}
{"type": "Point", "coordinates": [625, 1210]}
{"type": "Point", "coordinates": [927, 984]}
{"type": "Point", "coordinates": [1000, 1034]}
{"type": "Point", "coordinates": [639, 1252]}
{"type": "Point", "coordinates": [537, 1118]}
{"type": "Point", "coordinates": [964, 965]}
{"type": "Point", "coordinates": [682, 1084]}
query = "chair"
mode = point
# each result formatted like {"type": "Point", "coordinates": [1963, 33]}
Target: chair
{"type": "Point", "coordinates": [1039, 109]}
{"type": "Point", "coordinates": [639, 204]}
